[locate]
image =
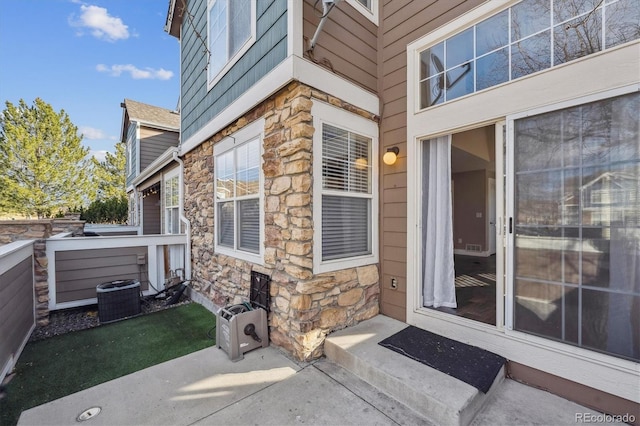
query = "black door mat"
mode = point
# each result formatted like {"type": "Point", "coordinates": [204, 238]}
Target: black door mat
{"type": "Point", "coordinates": [470, 364]}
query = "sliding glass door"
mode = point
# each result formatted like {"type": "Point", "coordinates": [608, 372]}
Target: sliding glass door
{"type": "Point", "coordinates": [575, 187]}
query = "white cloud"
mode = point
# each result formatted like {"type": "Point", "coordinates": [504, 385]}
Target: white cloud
{"type": "Point", "coordinates": [99, 155]}
{"type": "Point", "coordinates": [92, 133]}
{"type": "Point", "coordinates": [100, 23]}
{"type": "Point", "coordinates": [136, 73]}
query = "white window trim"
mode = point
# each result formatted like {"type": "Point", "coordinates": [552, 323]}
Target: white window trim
{"type": "Point", "coordinates": [605, 372]}
{"type": "Point", "coordinates": [211, 82]}
{"type": "Point", "coordinates": [175, 173]}
{"type": "Point", "coordinates": [251, 132]}
{"type": "Point", "coordinates": [370, 14]}
{"type": "Point", "coordinates": [325, 113]}
{"type": "Point", "coordinates": [484, 11]}
{"type": "Point", "coordinates": [588, 75]}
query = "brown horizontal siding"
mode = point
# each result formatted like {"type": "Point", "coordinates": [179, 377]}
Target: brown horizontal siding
{"type": "Point", "coordinates": [153, 143]}
{"type": "Point", "coordinates": [395, 180]}
{"type": "Point", "coordinates": [391, 210]}
{"type": "Point", "coordinates": [151, 210]}
{"type": "Point", "coordinates": [417, 19]}
{"type": "Point", "coordinates": [348, 41]}
{"type": "Point", "coordinates": [16, 308]}
{"type": "Point", "coordinates": [394, 78]}
{"type": "Point", "coordinates": [396, 296]}
{"type": "Point", "coordinates": [395, 122]}
{"type": "Point", "coordinates": [395, 195]}
{"type": "Point", "coordinates": [396, 106]}
{"type": "Point", "coordinates": [393, 311]}
{"type": "Point", "coordinates": [394, 135]}
{"type": "Point", "coordinates": [402, 22]}
{"type": "Point", "coordinates": [78, 272]}
{"type": "Point", "coordinates": [394, 239]}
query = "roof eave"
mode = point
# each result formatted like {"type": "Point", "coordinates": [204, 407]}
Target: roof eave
{"type": "Point", "coordinates": [174, 19]}
{"type": "Point", "coordinates": [158, 164]}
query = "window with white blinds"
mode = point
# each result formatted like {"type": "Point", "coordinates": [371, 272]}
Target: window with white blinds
{"type": "Point", "coordinates": [346, 193]}
{"type": "Point", "coordinates": [172, 204]}
{"type": "Point", "coordinates": [237, 183]}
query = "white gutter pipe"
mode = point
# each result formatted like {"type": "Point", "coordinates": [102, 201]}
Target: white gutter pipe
{"type": "Point", "coordinates": [183, 219]}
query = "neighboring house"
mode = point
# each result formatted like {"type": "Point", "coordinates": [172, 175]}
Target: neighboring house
{"type": "Point", "coordinates": [151, 135]}
{"type": "Point", "coordinates": [493, 108]}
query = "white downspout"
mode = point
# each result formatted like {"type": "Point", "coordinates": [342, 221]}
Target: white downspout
{"type": "Point", "coordinates": [183, 219]}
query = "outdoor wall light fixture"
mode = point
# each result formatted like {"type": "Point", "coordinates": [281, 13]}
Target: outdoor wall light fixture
{"type": "Point", "coordinates": [389, 158]}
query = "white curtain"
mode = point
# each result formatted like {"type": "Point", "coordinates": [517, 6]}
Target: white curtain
{"type": "Point", "coordinates": [439, 276]}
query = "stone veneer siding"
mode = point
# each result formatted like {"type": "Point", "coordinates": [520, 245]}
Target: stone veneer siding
{"type": "Point", "coordinates": [305, 307]}
{"type": "Point", "coordinates": [39, 230]}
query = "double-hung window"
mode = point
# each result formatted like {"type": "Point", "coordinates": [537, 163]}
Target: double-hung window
{"type": "Point", "coordinates": [345, 192]}
{"type": "Point", "coordinates": [231, 30]}
{"type": "Point", "coordinates": [238, 197]}
{"type": "Point", "coordinates": [172, 203]}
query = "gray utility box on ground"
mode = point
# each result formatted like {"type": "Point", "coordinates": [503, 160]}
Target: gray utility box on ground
{"type": "Point", "coordinates": [241, 328]}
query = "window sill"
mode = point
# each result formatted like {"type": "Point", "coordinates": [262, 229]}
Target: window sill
{"type": "Point", "coordinates": [242, 255]}
{"type": "Point", "coordinates": [339, 264]}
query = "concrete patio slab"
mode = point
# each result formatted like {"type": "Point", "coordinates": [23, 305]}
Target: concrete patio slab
{"type": "Point", "coordinates": [178, 392]}
{"type": "Point", "coordinates": [267, 387]}
{"type": "Point", "coordinates": [310, 397]}
{"type": "Point", "coordinates": [517, 404]}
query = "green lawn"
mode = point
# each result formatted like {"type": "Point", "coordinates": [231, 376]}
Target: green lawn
{"type": "Point", "coordinates": [52, 368]}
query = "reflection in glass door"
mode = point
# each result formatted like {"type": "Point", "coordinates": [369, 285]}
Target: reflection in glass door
{"type": "Point", "coordinates": [576, 225]}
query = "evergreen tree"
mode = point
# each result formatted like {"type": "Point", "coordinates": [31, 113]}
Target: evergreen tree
{"type": "Point", "coordinates": [108, 210]}
{"type": "Point", "coordinates": [109, 175]}
{"type": "Point", "coordinates": [43, 166]}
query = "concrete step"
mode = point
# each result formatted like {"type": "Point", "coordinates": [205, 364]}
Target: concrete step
{"type": "Point", "coordinates": [394, 410]}
{"type": "Point", "coordinates": [434, 395]}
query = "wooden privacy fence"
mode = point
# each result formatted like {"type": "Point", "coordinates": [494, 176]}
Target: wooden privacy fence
{"type": "Point", "coordinates": [17, 302]}
{"type": "Point", "coordinates": [77, 265]}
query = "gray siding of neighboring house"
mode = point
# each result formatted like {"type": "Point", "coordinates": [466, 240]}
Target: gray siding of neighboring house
{"type": "Point", "coordinates": [199, 106]}
{"type": "Point", "coordinates": [348, 41]}
{"type": "Point", "coordinates": [151, 214]}
{"type": "Point", "coordinates": [153, 143]}
{"type": "Point", "coordinates": [403, 22]}
{"type": "Point", "coordinates": [16, 308]}
{"type": "Point", "coordinates": [78, 272]}
{"type": "Point", "coordinates": [131, 136]}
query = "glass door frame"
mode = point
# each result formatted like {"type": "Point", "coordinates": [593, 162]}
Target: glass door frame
{"type": "Point", "coordinates": [500, 228]}
{"type": "Point", "coordinates": [509, 234]}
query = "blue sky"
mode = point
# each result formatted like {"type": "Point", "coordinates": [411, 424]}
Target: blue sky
{"type": "Point", "coordinates": [86, 57]}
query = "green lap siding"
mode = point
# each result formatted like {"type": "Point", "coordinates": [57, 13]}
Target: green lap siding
{"type": "Point", "coordinates": [200, 106]}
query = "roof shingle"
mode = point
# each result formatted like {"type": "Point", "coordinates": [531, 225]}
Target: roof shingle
{"type": "Point", "coordinates": [150, 114]}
